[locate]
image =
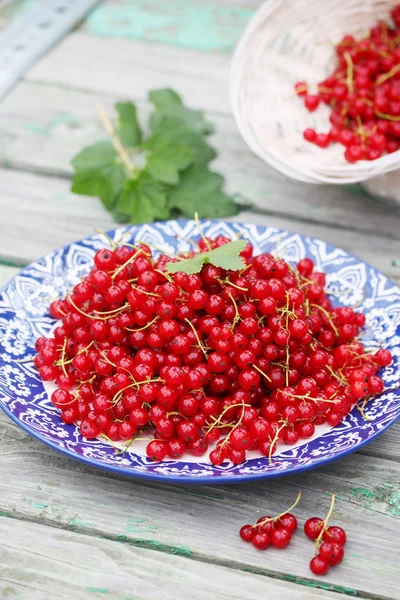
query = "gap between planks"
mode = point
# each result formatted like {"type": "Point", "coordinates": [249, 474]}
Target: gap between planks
{"type": "Point", "coordinates": [201, 558]}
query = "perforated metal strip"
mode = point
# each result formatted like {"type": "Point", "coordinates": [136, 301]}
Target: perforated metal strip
{"type": "Point", "coordinates": [33, 32]}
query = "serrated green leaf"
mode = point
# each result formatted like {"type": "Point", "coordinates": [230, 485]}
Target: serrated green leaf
{"type": "Point", "coordinates": [95, 156]}
{"type": "Point", "coordinates": [105, 183]}
{"type": "Point", "coordinates": [97, 173]}
{"type": "Point", "coordinates": [129, 131]}
{"type": "Point", "coordinates": [168, 103]}
{"type": "Point", "coordinates": [143, 199]}
{"type": "Point", "coordinates": [179, 133]}
{"type": "Point", "coordinates": [200, 191]}
{"type": "Point", "coordinates": [226, 256]}
{"type": "Point", "coordinates": [166, 157]}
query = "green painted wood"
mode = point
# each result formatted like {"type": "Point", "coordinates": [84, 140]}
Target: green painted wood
{"type": "Point", "coordinates": [199, 24]}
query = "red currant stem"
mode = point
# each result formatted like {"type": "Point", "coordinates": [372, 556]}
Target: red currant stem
{"type": "Point", "coordinates": [109, 440]}
{"type": "Point", "coordinates": [339, 377]}
{"type": "Point", "coordinates": [350, 71]}
{"type": "Point", "coordinates": [205, 240]}
{"type": "Point", "coordinates": [362, 407]}
{"type": "Point", "coordinates": [63, 357]}
{"type": "Point", "coordinates": [328, 316]}
{"type": "Point", "coordinates": [268, 519]}
{"type": "Point", "coordinates": [308, 397]}
{"type": "Point", "coordinates": [261, 372]}
{"type": "Point", "coordinates": [67, 362]}
{"type": "Point", "coordinates": [126, 263]}
{"type": "Point", "coordinates": [165, 274]}
{"type": "Point", "coordinates": [307, 307]}
{"type": "Point", "coordinates": [226, 440]}
{"type": "Point", "coordinates": [111, 312]}
{"type": "Point", "coordinates": [197, 337]}
{"type": "Point", "coordinates": [188, 241]}
{"type": "Point", "coordinates": [394, 42]}
{"type": "Point", "coordinates": [107, 359]}
{"type": "Point", "coordinates": [159, 249]}
{"type": "Point", "coordinates": [109, 240]}
{"type": "Point", "coordinates": [325, 522]}
{"type": "Point", "coordinates": [127, 446]}
{"type": "Point", "coordinates": [217, 421]}
{"type": "Point", "coordinates": [90, 381]}
{"type": "Point", "coordinates": [116, 142]}
{"type": "Point", "coordinates": [144, 326]}
{"type": "Point", "coordinates": [357, 304]}
{"type": "Point", "coordinates": [116, 398]}
{"type": "Point", "coordinates": [85, 314]}
{"type": "Point", "coordinates": [236, 318]}
{"type": "Point", "coordinates": [245, 269]}
{"type": "Point", "coordinates": [22, 360]}
{"type": "Point", "coordinates": [227, 282]}
{"type": "Point", "coordinates": [274, 440]}
{"type": "Point", "coordinates": [135, 287]}
{"type": "Point", "coordinates": [382, 115]}
{"type": "Point", "coordinates": [387, 75]}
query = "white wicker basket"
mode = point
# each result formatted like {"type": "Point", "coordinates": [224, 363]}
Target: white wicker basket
{"type": "Point", "coordinates": [287, 41]}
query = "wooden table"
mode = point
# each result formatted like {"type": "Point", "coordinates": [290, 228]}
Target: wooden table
{"type": "Point", "coordinates": [69, 531]}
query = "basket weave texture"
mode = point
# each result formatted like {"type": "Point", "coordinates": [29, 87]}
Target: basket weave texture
{"type": "Point", "coordinates": [294, 40]}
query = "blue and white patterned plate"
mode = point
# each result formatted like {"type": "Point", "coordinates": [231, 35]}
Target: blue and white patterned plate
{"type": "Point", "coordinates": [24, 317]}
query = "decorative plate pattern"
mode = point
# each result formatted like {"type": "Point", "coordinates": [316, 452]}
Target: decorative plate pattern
{"type": "Point", "coordinates": [24, 316]}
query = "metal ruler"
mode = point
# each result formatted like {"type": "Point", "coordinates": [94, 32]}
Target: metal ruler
{"type": "Point", "coordinates": [33, 32]}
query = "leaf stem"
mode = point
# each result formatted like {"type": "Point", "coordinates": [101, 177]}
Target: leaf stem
{"type": "Point", "coordinates": [116, 142]}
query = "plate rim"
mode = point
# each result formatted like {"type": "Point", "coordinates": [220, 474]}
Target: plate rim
{"type": "Point", "coordinates": [219, 477]}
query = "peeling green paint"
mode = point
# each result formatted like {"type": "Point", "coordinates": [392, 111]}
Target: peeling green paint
{"type": "Point", "coordinates": [4, 513]}
{"type": "Point", "coordinates": [201, 25]}
{"type": "Point", "coordinates": [95, 590]}
{"type": "Point", "coordinates": [385, 494]}
{"type": "Point", "coordinates": [331, 587]}
{"type": "Point", "coordinates": [76, 522]}
{"type": "Point", "coordinates": [153, 545]}
{"type": "Point", "coordinates": [45, 129]}
{"type": "Point", "coordinates": [203, 495]}
{"type": "Point", "coordinates": [38, 505]}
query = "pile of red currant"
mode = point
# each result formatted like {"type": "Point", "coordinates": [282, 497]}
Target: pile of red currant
{"type": "Point", "coordinates": [329, 542]}
{"type": "Point", "coordinates": [277, 531]}
{"type": "Point", "coordinates": [363, 93]}
{"type": "Point", "coordinates": [235, 360]}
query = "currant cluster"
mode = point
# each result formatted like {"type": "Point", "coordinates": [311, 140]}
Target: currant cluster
{"type": "Point", "coordinates": [363, 93]}
{"type": "Point", "coordinates": [276, 531]}
{"type": "Point", "coordinates": [329, 542]}
{"type": "Point", "coordinates": [236, 360]}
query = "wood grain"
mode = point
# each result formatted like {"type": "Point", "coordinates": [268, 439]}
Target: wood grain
{"type": "Point", "coordinates": [203, 521]}
{"type": "Point", "coordinates": [42, 562]}
{"type": "Point", "coordinates": [33, 204]}
{"type": "Point", "coordinates": [201, 24]}
{"type": "Point", "coordinates": [43, 127]}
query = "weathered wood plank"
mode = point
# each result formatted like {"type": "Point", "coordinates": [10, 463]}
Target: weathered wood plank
{"type": "Point", "coordinates": [118, 66]}
{"type": "Point", "coordinates": [43, 562]}
{"type": "Point", "coordinates": [33, 204]}
{"type": "Point", "coordinates": [197, 25]}
{"type": "Point", "coordinates": [43, 127]}
{"type": "Point", "coordinates": [203, 521]}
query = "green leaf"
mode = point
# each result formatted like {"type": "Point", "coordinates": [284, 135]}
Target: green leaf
{"type": "Point", "coordinates": [144, 199]}
{"type": "Point", "coordinates": [166, 157]}
{"type": "Point", "coordinates": [128, 125]}
{"type": "Point", "coordinates": [168, 103]}
{"type": "Point", "coordinates": [226, 256]}
{"type": "Point", "coordinates": [179, 133]}
{"type": "Point", "coordinates": [94, 157]}
{"type": "Point", "coordinates": [105, 183]}
{"type": "Point", "coordinates": [97, 173]}
{"type": "Point", "coordinates": [200, 191]}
